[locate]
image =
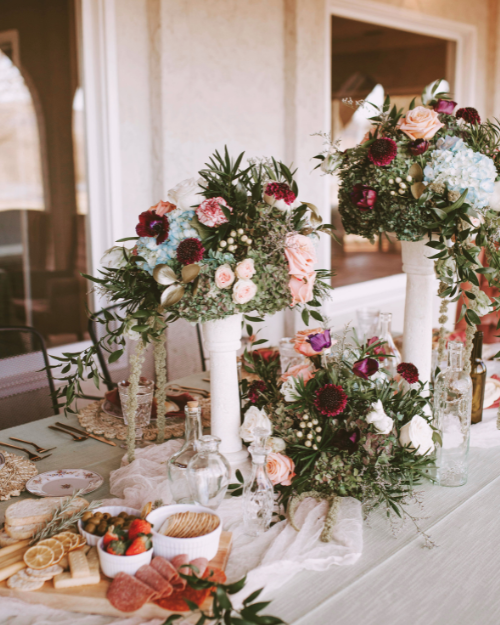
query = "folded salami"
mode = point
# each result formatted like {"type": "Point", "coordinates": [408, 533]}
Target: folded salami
{"type": "Point", "coordinates": [150, 576]}
{"type": "Point", "coordinates": [128, 594]}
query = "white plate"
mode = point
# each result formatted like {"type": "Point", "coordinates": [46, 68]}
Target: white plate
{"type": "Point", "coordinates": [64, 482]}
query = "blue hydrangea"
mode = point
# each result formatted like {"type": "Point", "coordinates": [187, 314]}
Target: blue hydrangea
{"type": "Point", "coordinates": [180, 229]}
{"type": "Point", "coordinates": [455, 164]}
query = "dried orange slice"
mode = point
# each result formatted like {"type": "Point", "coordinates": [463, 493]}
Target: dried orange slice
{"type": "Point", "coordinates": [56, 546]}
{"type": "Point", "coordinates": [65, 539]}
{"type": "Point", "coordinates": [39, 557]}
{"type": "Point", "coordinates": [75, 542]}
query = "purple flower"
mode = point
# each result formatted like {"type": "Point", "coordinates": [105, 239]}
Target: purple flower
{"type": "Point", "coordinates": [419, 146]}
{"type": "Point", "coordinates": [363, 197]}
{"type": "Point", "coordinates": [445, 106]}
{"type": "Point", "coordinates": [365, 368]}
{"type": "Point", "coordinates": [320, 341]}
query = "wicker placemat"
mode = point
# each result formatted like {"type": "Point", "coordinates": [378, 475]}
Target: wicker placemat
{"type": "Point", "coordinates": [94, 420]}
{"type": "Point", "coordinates": [14, 475]}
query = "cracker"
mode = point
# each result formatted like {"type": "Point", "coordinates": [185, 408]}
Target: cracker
{"type": "Point", "coordinates": [47, 573]}
{"type": "Point", "coordinates": [78, 564]}
{"type": "Point", "coordinates": [19, 582]}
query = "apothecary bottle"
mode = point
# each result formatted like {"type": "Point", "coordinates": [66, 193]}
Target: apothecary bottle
{"type": "Point", "coordinates": [178, 463]}
{"type": "Point", "coordinates": [208, 473]}
{"type": "Point", "coordinates": [258, 492]}
{"type": "Point", "coordinates": [452, 418]}
{"type": "Point", "coordinates": [478, 376]}
{"type": "Point", "coordinates": [389, 347]}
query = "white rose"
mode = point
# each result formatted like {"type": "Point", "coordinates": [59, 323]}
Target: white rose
{"type": "Point", "coordinates": [132, 334]}
{"type": "Point", "coordinates": [254, 418]}
{"type": "Point", "coordinates": [114, 258]}
{"type": "Point", "coordinates": [418, 435]}
{"type": "Point", "coordinates": [481, 305]}
{"type": "Point", "coordinates": [186, 194]}
{"type": "Point", "coordinates": [275, 444]}
{"type": "Point", "coordinates": [382, 422]}
{"type": "Point", "coordinates": [288, 389]}
{"type": "Point", "coordinates": [244, 291]}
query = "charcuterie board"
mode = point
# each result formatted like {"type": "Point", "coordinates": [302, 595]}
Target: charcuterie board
{"type": "Point", "coordinates": [92, 599]}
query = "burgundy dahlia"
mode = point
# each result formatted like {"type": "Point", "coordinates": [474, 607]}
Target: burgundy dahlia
{"type": "Point", "coordinates": [382, 151]}
{"type": "Point", "coordinates": [330, 400]}
{"type": "Point", "coordinates": [346, 441]}
{"type": "Point", "coordinates": [190, 251]}
{"type": "Point", "coordinates": [255, 389]}
{"type": "Point", "coordinates": [408, 372]}
{"type": "Point", "coordinates": [363, 197]}
{"type": "Point", "coordinates": [280, 191]}
{"type": "Point", "coordinates": [419, 146]}
{"type": "Point", "coordinates": [153, 225]}
{"type": "Point", "coordinates": [365, 368]}
{"type": "Point", "coordinates": [445, 106]}
{"type": "Point", "coordinates": [469, 115]}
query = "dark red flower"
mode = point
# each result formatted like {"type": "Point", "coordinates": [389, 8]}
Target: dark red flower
{"type": "Point", "coordinates": [330, 400]}
{"type": "Point", "coordinates": [280, 191]}
{"type": "Point", "coordinates": [365, 368]}
{"type": "Point", "coordinates": [190, 251]}
{"type": "Point", "coordinates": [346, 441]}
{"type": "Point", "coordinates": [264, 353]}
{"type": "Point", "coordinates": [152, 225]}
{"type": "Point", "coordinates": [408, 372]}
{"type": "Point", "coordinates": [363, 197]}
{"type": "Point", "coordinates": [382, 151]}
{"type": "Point", "coordinates": [419, 146]}
{"type": "Point", "coordinates": [255, 389]}
{"type": "Point", "coordinates": [445, 106]}
{"type": "Point", "coordinates": [469, 115]}
{"type": "Point", "coordinates": [377, 350]}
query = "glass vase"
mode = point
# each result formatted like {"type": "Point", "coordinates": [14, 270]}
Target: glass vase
{"type": "Point", "coordinates": [452, 418]}
{"type": "Point", "coordinates": [208, 473]}
{"type": "Point", "coordinates": [258, 492]}
{"type": "Point", "coordinates": [178, 463]}
{"type": "Point", "coordinates": [389, 348]}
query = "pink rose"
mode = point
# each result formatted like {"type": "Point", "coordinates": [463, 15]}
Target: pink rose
{"type": "Point", "coordinates": [244, 291]}
{"type": "Point", "coordinates": [224, 277]}
{"type": "Point", "coordinates": [304, 371]}
{"type": "Point", "coordinates": [280, 469]}
{"type": "Point", "coordinates": [420, 123]}
{"type": "Point", "coordinates": [245, 270]}
{"type": "Point", "coordinates": [300, 254]}
{"type": "Point", "coordinates": [210, 214]}
{"type": "Point", "coordinates": [302, 288]}
{"type": "Point", "coordinates": [301, 343]}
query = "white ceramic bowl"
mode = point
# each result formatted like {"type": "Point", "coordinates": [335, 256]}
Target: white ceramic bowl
{"type": "Point", "coordinates": [112, 565]}
{"type": "Point", "coordinates": [168, 547]}
{"type": "Point", "coordinates": [93, 539]}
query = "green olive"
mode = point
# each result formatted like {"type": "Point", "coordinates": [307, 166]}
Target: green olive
{"type": "Point", "coordinates": [90, 528]}
{"type": "Point", "coordinates": [87, 516]}
{"type": "Point", "coordinates": [101, 529]}
{"type": "Point", "coordinates": [106, 516]}
{"type": "Point", "coordinates": [98, 515]}
{"type": "Point", "coordinates": [123, 515]}
{"type": "Point", "coordinates": [119, 521]}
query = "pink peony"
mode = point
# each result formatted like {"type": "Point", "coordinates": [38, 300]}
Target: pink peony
{"type": "Point", "coordinates": [300, 254]}
{"type": "Point", "coordinates": [246, 269]}
{"type": "Point", "coordinates": [280, 469]}
{"type": "Point", "coordinates": [244, 291]}
{"type": "Point", "coordinates": [304, 371]}
{"type": "Point", "coordinates": [210, 213]}
{"type": "Point", "coordinates": [224, 277]}
{"type": "Point", "coordinates": [302, 288]}
{"type": "Point", "coordinates": [420, 123]}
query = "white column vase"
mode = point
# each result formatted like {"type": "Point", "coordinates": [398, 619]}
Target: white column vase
{"type": "Point", "coordinates": [420, 295]}
{"type": "Point", "coordinates": [222, 339]}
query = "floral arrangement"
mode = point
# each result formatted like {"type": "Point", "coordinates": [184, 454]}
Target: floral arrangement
{"type": "Point", "coordinates": [341, 426]}
{"type": "Point", "coordinates": [233, 240]}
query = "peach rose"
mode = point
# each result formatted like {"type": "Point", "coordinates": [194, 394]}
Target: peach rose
{"type": "Point", "coordinates": [420, 123]}
{"type": "Point", "coordinates": [224, 277]}
{"type": "Point", "coordinates": [304, 371]}
{"type": "Point", "coordinates": [280, 469]}
{"type": "Point", "coordinates": [300, 254]}
{"type": "Point", "coordinates": [300, 342]}
{"type": "Point", "coordinates": [244, 291]}
{"type": "Point", "coordinates": [302, 288]}
{"type": "Point", "coordinates": [246, 269]}
{"type": "Point", "coordinates": [162, 208]}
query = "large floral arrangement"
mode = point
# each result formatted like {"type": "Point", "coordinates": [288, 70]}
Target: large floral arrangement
{"type": "Point", "coordinates": [341, 426]}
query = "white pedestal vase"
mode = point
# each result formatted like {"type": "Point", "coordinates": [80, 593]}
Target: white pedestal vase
{"type": "Point", "coordinates": [420, 295]}
{"type": "Point", "coordinates": [222, 340]}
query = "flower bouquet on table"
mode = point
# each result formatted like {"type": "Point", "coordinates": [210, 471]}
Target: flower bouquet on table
{"type": "Point", "coordinates": [234, 240]}
{"type": "Point", "coordinates": [428, 171]}
{"type": "Point", "coordinates": [342, 427]}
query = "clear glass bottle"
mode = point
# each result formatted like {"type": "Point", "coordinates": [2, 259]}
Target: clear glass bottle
{"type": "Point", "coordinates": [208, 473]}
{"type": "Point", "coordinates": [390, 347]}
{"type": "Point", "coordinates": [452, 418]}
{"type": "Point", "coordinates": [478, 375]}
{"type": "Point", "coordinates": [258, 492]}
{"type": "Point", "coordinates": [178, 463]}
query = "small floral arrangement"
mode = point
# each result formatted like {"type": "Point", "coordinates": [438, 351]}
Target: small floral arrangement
{"type": "Point", "coordinates": [341, 426]}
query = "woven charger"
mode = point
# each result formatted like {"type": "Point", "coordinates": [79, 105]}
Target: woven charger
{"type": "Point", "coordinates": [93, 419]}
{"type": "Point", "coordinates": [14, 475]}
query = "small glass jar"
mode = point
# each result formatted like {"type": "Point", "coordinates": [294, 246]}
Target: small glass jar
{"type": "Point", "coordinates": [258, 492]}
{"type": "Point", "coordinates": [389, 348]}
{"type": "Point", "coordinates": [288, 356]}
{"type": "Point", "coordinates": [145, 394]}
{"type": "Point", "coordinates": [208, 473]}
{"type": "Point", "coordinates": [178, 463]}
{"type": "Point", "coordinates": [367, 320]}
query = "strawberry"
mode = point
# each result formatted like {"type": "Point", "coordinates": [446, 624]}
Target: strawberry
{"type": "Point", "coordinates": [138, 526]}
{"type": "Point", "coordinates": [113, 533]}
{"type": "Point", "coordinates": [139, 545]}
{"type": "Point", "coordinates": [116, 547]}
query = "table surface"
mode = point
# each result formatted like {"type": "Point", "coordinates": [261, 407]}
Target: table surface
{"type": "Point", "coordinates": [397, 580]}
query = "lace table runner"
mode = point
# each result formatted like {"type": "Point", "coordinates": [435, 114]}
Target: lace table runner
{"type": "Point", "coordinates": [14, 475]}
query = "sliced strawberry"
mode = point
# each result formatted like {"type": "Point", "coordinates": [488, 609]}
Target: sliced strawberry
{"type": "Point", "coordinates": [141, 544]}
{"type": "Point", "coordinates": [138, 526]}
{"type": "Point", "coordinates": [113, 533]}
{"type": "Point", "coordinates": [116, 547]}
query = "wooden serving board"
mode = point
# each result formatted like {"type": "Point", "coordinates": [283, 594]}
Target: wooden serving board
{"type": "Point", "coordinates": [92, 599]}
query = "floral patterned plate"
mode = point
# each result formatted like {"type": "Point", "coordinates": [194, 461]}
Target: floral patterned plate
{"type": "Point", "coordinates": [64, 482]}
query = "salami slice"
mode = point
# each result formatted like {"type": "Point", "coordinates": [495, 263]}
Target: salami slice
{"type": "Point", "coordinates": [176, 602]}
{"type": "Point", "coordinates": [150, 576]}
{"type": "Point", "coordinates": [179, 561]}
{"type": "Point", "coordinates": [128, 594]}
{"type": "Point", "coordinates": [165, 569]}
{"type": "Point", "coordinates": [201, 565]}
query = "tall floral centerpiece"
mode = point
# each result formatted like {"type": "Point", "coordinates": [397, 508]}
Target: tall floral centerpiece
{"type": "Point", "coordinates": [427, 175]}
{"type": "Point", "coordinates": [233, 244]}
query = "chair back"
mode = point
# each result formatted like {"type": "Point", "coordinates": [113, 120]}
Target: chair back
{"type": "Point", "coordinates": [26, 391]}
